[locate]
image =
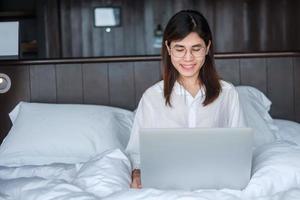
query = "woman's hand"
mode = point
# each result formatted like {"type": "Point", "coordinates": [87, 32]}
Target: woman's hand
{"type": "Point", "coordinates": [136, 179]}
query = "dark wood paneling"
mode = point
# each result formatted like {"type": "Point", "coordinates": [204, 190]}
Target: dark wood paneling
{"type": "Point", "coordinates": [182, 5]}
{"type": "Point", "coordinates": [97, 45]}
{"type": "Point", "coordinates": [95, 83]}
{"type": "Point", "coordinates": [229, 70]}
{"type": "Point", "coordinates": [19, 91]}
{"type": "Point", "coordinates": [117, 36]}
{"type": "Point", "coordinates": [280, 87]}
{"type": "Point", "coordinates": [20, 85]}
{"type": "Point", "coordinates": [296, 63]}
{"type": "Point", "coordinates": [146, 74]}
{"type": "Point", "coordinates": [108, 42]}
{"type": "Point", "coordinates": [149, 24]}
{"type": "Point", "coordinates": [69, 83]}
{"type": "Point", "coordinates": [43, 83]}
{"type": "Point", "coordinates": [237, 26]}
{"type": "Point", "coordinates": [229, 19]}
{"type": "Point", "coordinates": [139, 27]}
{"type": "Point", "coordinates": [66, 33]}
{"type": "Point", "coordinates": [48, 29]}
{"type": "Point", "coordinates": [121, 85]}
{"type": "Point", "coordinates": [86, 27]}
{"type": "Point", "coordinates": [143, 58]}
{"type": "Point", "coordinates": [128, 20]}
{"type": "Point", "coordinates": [207, 8]}
{"type": "Point", "coordinates": [254, 73]}
{"type": "Point", "coordinates": [75, 15]}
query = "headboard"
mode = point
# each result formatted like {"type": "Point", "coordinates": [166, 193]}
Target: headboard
{"type": "Point", "coordinates": [120, 81]}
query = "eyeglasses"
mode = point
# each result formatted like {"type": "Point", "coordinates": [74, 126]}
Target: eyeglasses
{"type": "Point", "coordinates": [180, 51]}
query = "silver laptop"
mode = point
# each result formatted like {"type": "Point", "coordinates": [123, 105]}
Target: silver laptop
{"type": "Point", "coordinates": [197, 158]}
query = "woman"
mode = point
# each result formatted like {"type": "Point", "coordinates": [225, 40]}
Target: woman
{"type": "Point", "coordinates": [191, 93]}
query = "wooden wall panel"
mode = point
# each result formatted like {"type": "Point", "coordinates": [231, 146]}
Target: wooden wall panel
{"type": "Point", "coordinates": [69, 83]}
{"type": "Point", "coordinates": [128, 21]}
{"type": "Point", "coordinates": [254, 73]}
{"type": "Point", "coordinates": [108, 41]}
{"type": "Point", "coordinates": [43, 83]}
{"type": "Point", "coordinates": [117, 34]}
{"type": "Point", "coordinates": [149, 24]}
{"type": "Point", "coordinates": [95, 83]}
{"type": "Point", "coordinates": [207, 8]}
{"type": "Point", "coordinates": [146, 74]}
{"type": "Point", "coordinates": [229, 70]}
{"type": "Point", "coordinates": [97, 44]}
{"type": "Point", "coordinates": [65, 28]}
{"type": "Point", "coordinates": [280, 87]}
{"type": "Point", "coordinates": [121, 85]}
{"type": "Point", "coordinates": [86, 24]}
{"type": "Point", "coordinates": [237, 26]}
{"type": "Point", "coordinates": [20, 85]}
{"type": "Point", "coordinates": [49, 44]}
{"type": "Point", "coordinates": [296, 65]}
{"type": "Point", "coordinates": [139, 27]}
{"type": "Point", "coordinates": [19, 91]}
{"type": "Point", "coordinates": [229, 23]}
{"type": "Point", "coordinates": [75, 15]}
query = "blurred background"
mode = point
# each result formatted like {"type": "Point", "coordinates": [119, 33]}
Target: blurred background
{"type": "Point", "coordinates": [68, 28]}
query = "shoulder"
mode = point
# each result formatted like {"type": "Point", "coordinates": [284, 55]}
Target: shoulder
{"type": "Point", "coordinates": [156, 89]}
{"type": "Point", "coordinates": [226, 85]}
{"type": "Point", "coordinates": [153, 94]}
{"type": "Point", "coordinates": [228, 89]}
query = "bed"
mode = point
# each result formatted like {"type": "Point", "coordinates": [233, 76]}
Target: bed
{"type": "Point", "coordinates": [57, 148]}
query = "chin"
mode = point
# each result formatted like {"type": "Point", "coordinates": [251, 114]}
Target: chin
{"type": "Point", "coordinates": [188, 75]}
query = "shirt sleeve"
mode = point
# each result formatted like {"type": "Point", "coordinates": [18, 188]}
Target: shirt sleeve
{"type": "Point", "coordinates": [236, 114]}
{"type": "Point", "coordinates": [133, 147]}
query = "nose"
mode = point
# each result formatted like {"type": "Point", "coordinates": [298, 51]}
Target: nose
{"type": "Point", "coordinates": [188, 55]}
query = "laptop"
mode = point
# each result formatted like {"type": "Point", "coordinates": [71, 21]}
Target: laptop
{"type": "Point", "coordinates": [196, 158]}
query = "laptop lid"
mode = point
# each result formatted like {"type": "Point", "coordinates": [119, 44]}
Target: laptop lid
{"type": "Point", "coordinates": [197, 158]}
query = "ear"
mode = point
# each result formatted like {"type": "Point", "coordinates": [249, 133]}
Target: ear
{"type": "Point", "coordinates": [208, 46]}
{"type": "Point", "coordinates": [168, 48]}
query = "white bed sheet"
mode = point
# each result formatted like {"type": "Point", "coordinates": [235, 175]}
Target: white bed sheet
{"type": "Point", "coordinates": [275, 175]}
{"type": "Point", "coordinates": [288, 130]}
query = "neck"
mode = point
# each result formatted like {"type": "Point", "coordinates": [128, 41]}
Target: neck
{"type": "Point", "coordinates": [188, 81]}
{"type": "Point", "coordinates": [191, 85]}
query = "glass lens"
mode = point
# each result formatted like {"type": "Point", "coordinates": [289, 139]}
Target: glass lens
{"type": "Point", "coordinates": [198, 51]}
{"type": "Point", "coordinates": [180, 52]}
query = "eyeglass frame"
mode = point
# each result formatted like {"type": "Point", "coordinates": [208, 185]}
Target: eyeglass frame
{"type": "Point", "coordinates": [186, 50]}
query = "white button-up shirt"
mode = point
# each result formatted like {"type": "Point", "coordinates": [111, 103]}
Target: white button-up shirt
{"type": "Point", "coordinates": [186, 111]}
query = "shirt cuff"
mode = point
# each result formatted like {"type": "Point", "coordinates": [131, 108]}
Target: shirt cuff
{"type": "Point", "coordinates": [135, 161]}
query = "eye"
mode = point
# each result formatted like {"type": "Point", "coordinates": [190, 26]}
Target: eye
{"type": "Point", "coordinates": [179, 49]}
{"type": "Point", "coordinates": [196, 49]}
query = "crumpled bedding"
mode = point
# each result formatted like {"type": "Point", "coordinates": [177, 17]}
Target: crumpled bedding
{"type": "Point", "coordinates": [275, 175]}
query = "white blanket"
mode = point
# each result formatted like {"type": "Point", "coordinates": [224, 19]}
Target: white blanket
{"type": "Point", "coordinates": [276, 175]}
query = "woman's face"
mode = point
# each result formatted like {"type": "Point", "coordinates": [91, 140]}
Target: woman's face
{"type": "Point", "coordinates": [188, 55]}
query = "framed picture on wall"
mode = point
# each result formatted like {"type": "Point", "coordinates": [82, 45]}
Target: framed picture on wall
{"type": "Point", "coordinates": [107, 16]}
{"type": "Point", "coordinates": [9, 40]}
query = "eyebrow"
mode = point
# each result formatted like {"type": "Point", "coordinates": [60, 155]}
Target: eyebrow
{"type": "Point", "coordinates": [196, 45]}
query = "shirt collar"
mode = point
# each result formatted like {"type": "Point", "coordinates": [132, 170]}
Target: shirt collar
{"type": "Point", "coordinates": [180, 90]}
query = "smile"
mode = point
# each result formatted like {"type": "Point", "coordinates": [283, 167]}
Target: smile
{"type": "Point", "coordinates": [187, 67]}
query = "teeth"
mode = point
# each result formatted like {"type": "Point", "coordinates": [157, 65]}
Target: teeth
{"type": "Point", "coordinates": [187, 66]}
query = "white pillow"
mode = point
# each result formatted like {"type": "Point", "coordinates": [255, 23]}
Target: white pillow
{"type": "Point", "coordinates": [256, 108]}
{"type": "Point", "coordinates": [63, 133]}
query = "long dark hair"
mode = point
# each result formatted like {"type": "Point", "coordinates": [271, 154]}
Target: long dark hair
{"type": "Point", "coordinates": [178, 27]}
